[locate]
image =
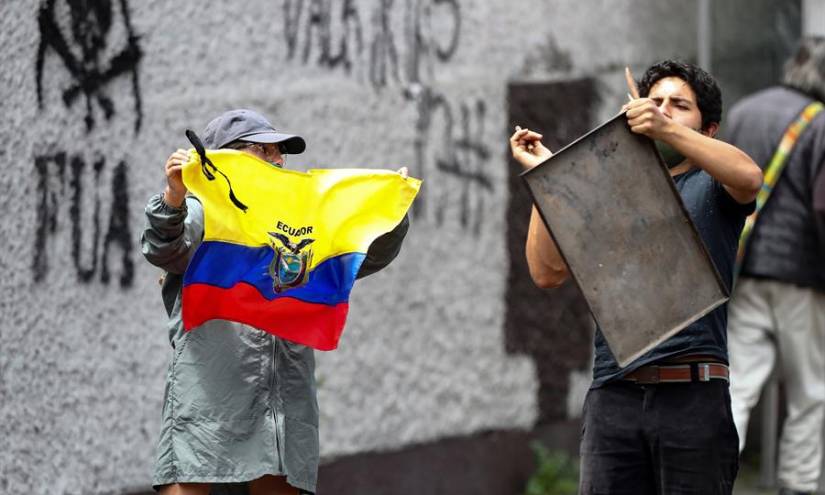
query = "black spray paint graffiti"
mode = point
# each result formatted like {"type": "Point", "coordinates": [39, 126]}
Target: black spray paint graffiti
{"type": "Point", "coordinates": [52, 193]}
{"type": "Point", "coordinates": [451, 143]}
{"type": "Point", "coordinates": [400, 42]}
{"type": "Point", "coordinates": [318, 27]}
{"type": "Point", "coordinates": [556, 328]}
{"type": "Point", "coordinates": [383, 60]}
{"type": "Point", "coordinates": [90, 23]}
{"type": "Point", "coordinates": [334, 34]}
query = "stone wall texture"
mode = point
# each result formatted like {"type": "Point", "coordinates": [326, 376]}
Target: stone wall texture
{"type": "Point", "coordinates": [96, 94]}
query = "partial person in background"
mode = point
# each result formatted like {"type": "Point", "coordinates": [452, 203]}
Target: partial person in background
{"type": "Point", "coordinates": [777, 312]}
{"type": "Point", "coordinates": [240, 411]}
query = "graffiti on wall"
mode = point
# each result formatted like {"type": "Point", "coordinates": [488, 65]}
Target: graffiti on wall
{"type": "Point", "coordinates": [313, 21]}
{"type": "Point", "coordinates": [450, 149]}
{"type": "Point", "coordinates": [401, 43]}
{"type": "Point", "coordinates": [80, 40]}
{"type": "Point", "coordinates": [69, 185]}
{"type": "Point", "coordinates": [391, 42]}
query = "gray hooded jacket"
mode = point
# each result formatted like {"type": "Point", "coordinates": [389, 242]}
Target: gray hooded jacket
{"type": "Point", "coordinates": [239, 403]}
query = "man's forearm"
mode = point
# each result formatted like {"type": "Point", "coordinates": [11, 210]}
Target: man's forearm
{"type": "Point", "coordinates": [547, 267]}
{"type": "Point", "coordinates": [174, 198]}
{"type": "Point", "coordinates": [171, 235]}
{"type": "Point", "coordinates": [729, 165]}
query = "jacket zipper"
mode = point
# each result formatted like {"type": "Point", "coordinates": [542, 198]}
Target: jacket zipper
{"type": "Point", "coordinates": [276, 397]}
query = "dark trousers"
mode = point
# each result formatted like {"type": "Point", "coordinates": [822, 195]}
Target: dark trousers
{"type": "Point", "coordinates": [665, 439]}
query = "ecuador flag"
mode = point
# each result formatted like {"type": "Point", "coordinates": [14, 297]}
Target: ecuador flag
{"type": "Point", "coordinates": [281, 248]}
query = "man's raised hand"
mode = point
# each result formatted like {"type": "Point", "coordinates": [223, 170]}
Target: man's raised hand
{"type": "Point", "coordinates": [527, 148]}
{"type": "Point", "coordinates": [175, 192]}
{"type": "Point", "coordinates": [644, 117]}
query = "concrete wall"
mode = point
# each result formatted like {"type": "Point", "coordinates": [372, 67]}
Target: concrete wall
{"type": "Point", "coordinates": [751, 41]}
{"type": "Point", "coordinates": [95, 99]}
{"type": "Point", "coordinates": [813, 21]}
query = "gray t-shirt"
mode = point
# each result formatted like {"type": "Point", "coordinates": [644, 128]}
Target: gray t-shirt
{"type": "Point", "coordinates": [719, 220]}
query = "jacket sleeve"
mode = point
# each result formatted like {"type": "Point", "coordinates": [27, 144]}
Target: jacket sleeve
{"type": "Point", "coordinates": [171, 234]}
{"type": "Point", "coordinates": [384, 249]}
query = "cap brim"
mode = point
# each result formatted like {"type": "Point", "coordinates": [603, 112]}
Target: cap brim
{"type": "Point", "coordinates": [293, 144]}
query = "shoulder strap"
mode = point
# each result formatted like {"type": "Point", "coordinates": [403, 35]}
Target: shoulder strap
{"type": "Point", "coordinates": [774, 171]}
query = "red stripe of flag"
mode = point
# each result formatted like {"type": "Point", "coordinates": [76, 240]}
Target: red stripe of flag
{"type": "Point", "coordinates": [316, 325]}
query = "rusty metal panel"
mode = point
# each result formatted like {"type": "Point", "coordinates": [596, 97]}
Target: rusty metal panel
{"type": "Point", "coordinates": [619, 222]}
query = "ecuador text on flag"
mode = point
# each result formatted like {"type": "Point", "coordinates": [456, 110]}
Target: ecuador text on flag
{"type": "Point", "coordinates": [284, 256]}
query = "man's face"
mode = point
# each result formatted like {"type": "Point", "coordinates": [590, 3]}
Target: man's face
{"type": "Point", "coordinates": [268, 152]}
{"type": "Point", "coordinates": [676, 100]}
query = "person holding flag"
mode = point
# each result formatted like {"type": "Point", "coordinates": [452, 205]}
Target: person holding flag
{"type": "Point", "coordinates": [259, 264]}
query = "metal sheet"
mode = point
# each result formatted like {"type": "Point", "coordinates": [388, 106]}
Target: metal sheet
{"type": "Point", "coordinates": [619, 222]}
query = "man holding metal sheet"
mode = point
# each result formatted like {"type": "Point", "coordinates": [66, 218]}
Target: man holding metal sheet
{"type": "Point", "coordinates": [663, 424]}
{"type": "Point", "coordinates": [777, 311]}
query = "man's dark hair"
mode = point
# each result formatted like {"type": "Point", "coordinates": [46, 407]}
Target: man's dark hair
{"type": "Point", "coordinates": [805, 71]}
{"type": "Point", "coordinates": [708, 94]}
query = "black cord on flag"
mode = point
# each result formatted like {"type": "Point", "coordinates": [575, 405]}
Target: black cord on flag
{"type": "Point", "coordinates": [206, 162]}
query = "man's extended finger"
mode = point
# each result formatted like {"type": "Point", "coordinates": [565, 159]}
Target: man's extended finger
{"type": "Point", "coordinates": [518, 135]}
{"type": "Point", "coordinates": [631, 83]}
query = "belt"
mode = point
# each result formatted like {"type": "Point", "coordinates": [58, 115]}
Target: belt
{"type": "Point", "coordinates": [678, 373]}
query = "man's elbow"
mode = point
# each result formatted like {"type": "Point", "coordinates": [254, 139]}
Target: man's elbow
{"type": "Point", "coordinates": [748, 184]}
{"type": "Point", "coordinates": [750, 175]}
{"type": "Point", "coordinates": [754, 180]}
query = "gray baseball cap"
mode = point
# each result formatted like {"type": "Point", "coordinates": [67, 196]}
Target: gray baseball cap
{"type": "Point", "coordinates": [248, 125]}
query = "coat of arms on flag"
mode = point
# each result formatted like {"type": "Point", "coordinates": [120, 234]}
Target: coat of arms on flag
{"type": "Point", "coordinates": [281, 249]}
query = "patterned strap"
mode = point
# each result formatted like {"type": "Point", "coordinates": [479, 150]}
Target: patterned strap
{"type": "Point", "coordinates": [774, 171]}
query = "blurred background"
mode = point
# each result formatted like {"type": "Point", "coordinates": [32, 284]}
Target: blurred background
{"type": "Point", "coordinates": [452, 364]}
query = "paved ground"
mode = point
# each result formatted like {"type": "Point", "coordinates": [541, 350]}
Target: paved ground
{"type": "Point", "coordinates": [747, 482]}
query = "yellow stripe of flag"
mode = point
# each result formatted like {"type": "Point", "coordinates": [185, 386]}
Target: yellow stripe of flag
{"type": "Point", "coordinates": [346, 209]}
